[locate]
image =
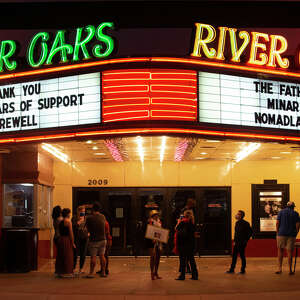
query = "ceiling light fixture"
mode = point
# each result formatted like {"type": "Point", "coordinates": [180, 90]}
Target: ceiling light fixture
{"type": "Point", "coordinates": [95, 148]}
{"type": "Point", "coordinates": [113, 149]}
{"type": "Point", "coordinates": [285, 152]}
{"type": "Point", "coordinates": [180, 150]}
{"type": "Point", "coordinates": [99, 153]}
{"type": "Point", "coordinates": [246, 151]}
{"type": "Point", "coordinates": [56, 152]}
{"type": "Point", "coordinates": [275, 157]}
{"type": "Point", "coordinates": [89, 142]}
{"type": "Point", "coordinates": [213, 141]}
{"type": "Point", "coordinates": [162, 148]}
{"type": "Point", "coordinates": [203, 153]}
{"type": "Point", "coordinates": [139, 141]}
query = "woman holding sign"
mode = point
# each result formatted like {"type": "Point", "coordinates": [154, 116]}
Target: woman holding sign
{"type": "Point", "coordinates": [154, 246]}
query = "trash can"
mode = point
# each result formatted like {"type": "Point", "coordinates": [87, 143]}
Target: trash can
{"type": "Point", "coordinates": [20, 249]}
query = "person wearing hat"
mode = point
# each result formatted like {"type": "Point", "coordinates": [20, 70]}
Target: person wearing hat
{"type": "Point", "coordinates": [154, 246]}
{"type": "Point", "coordinates": [287, 227]}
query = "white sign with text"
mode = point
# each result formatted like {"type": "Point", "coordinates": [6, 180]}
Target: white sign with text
{"type": "Point", "coordinates": [58, 102]}
{"type": "Point", "coordinates": [246, 101]}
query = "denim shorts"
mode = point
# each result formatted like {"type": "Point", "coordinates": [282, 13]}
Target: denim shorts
{"type": "Point", "coordinates": [97, 248]}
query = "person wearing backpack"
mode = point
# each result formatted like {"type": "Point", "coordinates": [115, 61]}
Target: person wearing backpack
{"type": "Point", "coordinates": [80, 237]}
{"type": "Point", "coordinates": [185, 244]}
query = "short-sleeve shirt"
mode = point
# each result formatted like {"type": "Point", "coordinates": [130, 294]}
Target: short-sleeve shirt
{"type": "Point", "coordinates": [96, 227]}
{"type": "Point", "coordinates": [288, 218]}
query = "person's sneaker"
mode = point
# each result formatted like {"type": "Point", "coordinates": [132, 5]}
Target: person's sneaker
{"type": "Point", "coordinates": [229, 272]}
{"type": "Point", "coordinates": [103, 275]}
{"type": "Point", "coordinates": [194, 278]}
{"type": "Point", "coordinates": [106, 272]}
{"type": "Point", "coordinates": [99, 272]}
{"type": "Point", "coordinates": [242, 272]}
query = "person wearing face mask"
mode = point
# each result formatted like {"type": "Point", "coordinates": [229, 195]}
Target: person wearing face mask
{"type": "Point", "coordinates": [242, 234]}
{"type": "Point", "coordinates": [80, 237]}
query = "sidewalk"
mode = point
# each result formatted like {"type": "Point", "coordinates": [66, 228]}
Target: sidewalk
{"type": "Point", "coordinates": [130, 280]}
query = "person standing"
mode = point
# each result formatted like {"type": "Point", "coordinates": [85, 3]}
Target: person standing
{"type": "Point", "coordinates": [185, 244]}
{"type": "Point", "coordinates": [287, 227]}
{"type": "Point", "coordinates": [154, 246]}
{"type": "Point", "coordinates": [107, 249]}
{"type": "Point", "coordinates": [80, 237]}
{"type": "Point", "coordinates": [64, 258]}
{"type": "Point", "coordinates": [242, 234]}
{"type": "Point", "coordinates": [57, 218]}
{"type": "Point", "coordinates": [97, 241]}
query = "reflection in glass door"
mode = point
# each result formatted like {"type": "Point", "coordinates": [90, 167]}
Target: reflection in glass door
{"type": "Point", "coordinates": [215, 235]}
{"type": "Point", "coordinates": [148, 200]}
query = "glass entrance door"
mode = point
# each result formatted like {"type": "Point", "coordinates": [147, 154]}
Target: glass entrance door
{"type": "Point", "coordinates": [215, 221]}
{"type": "Point", "coordinates": [127, 211]}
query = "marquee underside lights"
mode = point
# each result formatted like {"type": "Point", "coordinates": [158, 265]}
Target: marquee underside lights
{"type": "Point", "coordinates": [56, 152]}
{"type": "Point", "coordinates": [149, 131]}
{"type": "Point", "coordinates": [246, 151]}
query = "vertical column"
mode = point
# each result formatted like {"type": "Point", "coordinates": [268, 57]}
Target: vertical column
{"type": "Point", "coordinates": [1, 198]}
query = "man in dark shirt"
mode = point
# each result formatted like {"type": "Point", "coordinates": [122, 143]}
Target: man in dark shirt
{"type": "Point", "coordinates": [287, 228]}
{"type": "Point", "coordinates": [97, 242]}
{"type": "Point", "coordinates": [242, 234]}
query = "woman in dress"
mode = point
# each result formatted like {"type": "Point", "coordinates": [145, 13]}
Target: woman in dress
{"type": "Point", "coordinates": [154, 246]}
{"type": "Point", "coordinates": [64, 259]}
{"type": "Point", "coordinates": [80, 236]}
{"type": "Point", "coordinates": [56, 217]}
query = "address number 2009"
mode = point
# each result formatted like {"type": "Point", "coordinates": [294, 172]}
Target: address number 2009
{"type": "Point", "coordinates": [97, 182]}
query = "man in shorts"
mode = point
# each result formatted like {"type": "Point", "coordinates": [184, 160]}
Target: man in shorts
{"type": "Point", "coordinates": [97, 241]}
{"type": "Point", "coordinates": [287, 228]}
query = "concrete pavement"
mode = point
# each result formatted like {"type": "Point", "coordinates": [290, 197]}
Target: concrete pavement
{"type": "Point", "coordinates": [129, 279]}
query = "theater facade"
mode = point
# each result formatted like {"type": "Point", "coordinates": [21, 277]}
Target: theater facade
{"type": "Point", "coordinates": [125, 117]}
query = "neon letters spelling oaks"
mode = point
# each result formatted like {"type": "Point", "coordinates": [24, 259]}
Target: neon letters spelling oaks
{"type": "Point", "coordinates": [263, 49]}
{"type": "Point", "coordinates": [42, 50]}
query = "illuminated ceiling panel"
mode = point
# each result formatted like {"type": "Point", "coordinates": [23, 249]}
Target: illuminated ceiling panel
{"type": "Point", "coordinates": [197, 150]}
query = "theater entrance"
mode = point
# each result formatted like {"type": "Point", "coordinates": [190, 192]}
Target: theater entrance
{"type": "Point", "coordinates": [127, 210]}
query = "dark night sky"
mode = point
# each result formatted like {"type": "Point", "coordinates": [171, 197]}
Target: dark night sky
{"type": "Point", "coordinates": [150, 28]}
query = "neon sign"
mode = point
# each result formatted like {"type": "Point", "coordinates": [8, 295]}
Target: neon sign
{"type": "Point", "coordinates": [262, 49]}
{"type": "Point", "coordinates": [43, 51]}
